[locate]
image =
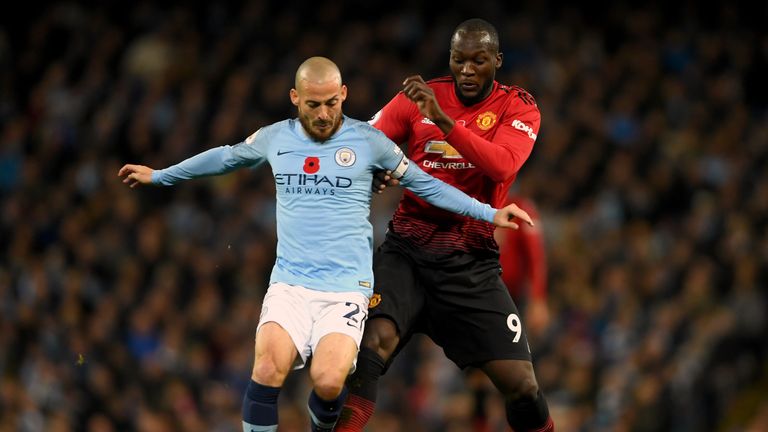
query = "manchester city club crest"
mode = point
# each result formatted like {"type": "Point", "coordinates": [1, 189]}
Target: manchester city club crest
{"type": "Point", "coordinates": [345, 157]}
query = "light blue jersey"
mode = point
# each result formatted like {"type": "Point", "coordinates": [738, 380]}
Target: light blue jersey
{"type": "Point", "coordinates": [325, 241]}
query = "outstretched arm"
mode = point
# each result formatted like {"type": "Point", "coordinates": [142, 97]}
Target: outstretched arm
{"type": "Point", "coordinates": [440, 194]}
{"type": "Point", "coordinates": [445, 196]}
{"type": "Point", "coordinates": [214, 161]}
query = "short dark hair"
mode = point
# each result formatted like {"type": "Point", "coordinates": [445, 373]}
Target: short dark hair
{"type": "Point", "coordinates": [477, 25]}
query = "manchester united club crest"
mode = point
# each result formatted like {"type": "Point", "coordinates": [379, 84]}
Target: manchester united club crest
{"type": "Point", "coordinates": [374, 301]}
{"type": "Point", "coordinates": [486, 120]}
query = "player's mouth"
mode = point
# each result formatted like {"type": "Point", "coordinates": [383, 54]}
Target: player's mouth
{"type": "Point", "coordinates": [469, 86]}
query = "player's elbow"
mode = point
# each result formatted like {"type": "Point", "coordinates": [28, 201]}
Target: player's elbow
{"type": "Point", "coordinates": [500, 174]}
{"type": "Point", "coordinates": [502, 169]}
{"type": "Point", "coordinates": [504, 165]}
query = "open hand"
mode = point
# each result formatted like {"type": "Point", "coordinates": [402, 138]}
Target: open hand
{"type": "Point", "coordinates": [134, 175]}
{"type": "Point", "coordinates": [506, 217]}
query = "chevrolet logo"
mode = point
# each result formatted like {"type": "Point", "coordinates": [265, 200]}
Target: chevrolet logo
{"type": "Point", "coordinates": [442, 148]}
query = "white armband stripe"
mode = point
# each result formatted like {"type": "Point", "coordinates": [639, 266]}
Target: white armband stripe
{"type": "Point", "coordinates": [401, 168]}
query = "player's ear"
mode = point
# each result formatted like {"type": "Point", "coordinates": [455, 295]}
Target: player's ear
{"type": "Point", "coordinates": [343, 92]}
{"type": "Point", "coordinates": [294, 97]}
{"type": "Point", "coordinates": [499, 58]}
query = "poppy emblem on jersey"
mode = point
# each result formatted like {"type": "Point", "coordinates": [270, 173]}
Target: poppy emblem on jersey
{"type": "Point", "coordinates": [374, 301]}
{"type": "Point", "coordinates": [345, 157]}
{"type": "Point", "coordinates": [311, 165]}
{"type": "Point", "coordinates": [486, 120]}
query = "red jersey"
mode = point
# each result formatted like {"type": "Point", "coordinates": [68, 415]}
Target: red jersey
{"type": "Point", "coordinates": [481, 156]}
{"type": "Point", "coordinates": [523, 259]}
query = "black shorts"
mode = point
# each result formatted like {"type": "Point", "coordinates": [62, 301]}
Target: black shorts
{"type": "Point", "coordinates": [459, 301]}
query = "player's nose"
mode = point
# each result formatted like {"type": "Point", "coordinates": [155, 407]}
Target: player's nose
{"type": "Point", "coordinates": [323, 114]}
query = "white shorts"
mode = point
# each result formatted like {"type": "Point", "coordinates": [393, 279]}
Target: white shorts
{"type": "Point", "coordinates": [308, 315]}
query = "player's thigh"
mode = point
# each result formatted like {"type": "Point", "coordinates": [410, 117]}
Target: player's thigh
{"type": "Point", "coordinates": [333, 359]}
{"type": "Point", "coordinates": [275, 353]}
{"type": "Point", "coordinates": [336, 335]}
{"type": "Point", "coordinates": [342, 313]}
{"type": "Point", "coordinates": [284, 330]}
{"type": "Point", "coordinates": [476, 321]}
{"type": "Point", "coordinates": [397, 294]}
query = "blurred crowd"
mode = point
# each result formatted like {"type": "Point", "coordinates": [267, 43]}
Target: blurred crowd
{"type": "Point", "coordinates": [130, 309]}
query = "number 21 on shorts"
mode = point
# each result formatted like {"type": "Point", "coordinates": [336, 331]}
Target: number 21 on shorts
{"type": "Point", "coordinates": [351, 320]}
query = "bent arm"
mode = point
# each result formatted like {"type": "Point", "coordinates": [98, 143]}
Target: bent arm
{"type": "Point", "coordinates": [503, 157]}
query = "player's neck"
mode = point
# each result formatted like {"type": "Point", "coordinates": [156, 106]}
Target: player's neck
{"type": "Point", "coordinates": [473, 100]}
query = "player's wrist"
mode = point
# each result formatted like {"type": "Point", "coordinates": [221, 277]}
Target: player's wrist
{"type": "Point", "coordinates": [156, 177]}
{"type": "Point", "coordinates": [445, 123]}
{"type": "Point", "coordinates": [490, 214]}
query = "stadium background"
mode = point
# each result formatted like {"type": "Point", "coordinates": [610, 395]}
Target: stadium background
{"type": "Point", "coordinates": [135, 309]}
